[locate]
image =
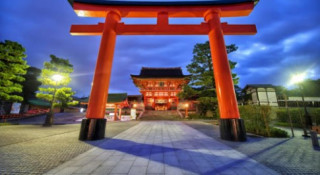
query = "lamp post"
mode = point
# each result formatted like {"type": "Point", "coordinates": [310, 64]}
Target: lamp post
{"type": "Point", "coordinates": [298, 79]}
{"type": "Point", "coordinates": [187, 106]}
{"type": "Point", "coordinates": [49, 118]}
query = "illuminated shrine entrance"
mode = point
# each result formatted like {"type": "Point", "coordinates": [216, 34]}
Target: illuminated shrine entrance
{"type": "Point", "coordinates": [231, 126]}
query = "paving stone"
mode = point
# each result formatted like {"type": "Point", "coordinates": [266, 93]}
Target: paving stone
{"type": "Point", "coordinates": [155, 167]}
{"type": "Point", "coordinates": [137, 170]}
{"type": "Point", "coordinates": [141, 162]}
{"type": "Point", "coordinates": [102, 170]}
{"type": "Point", "coordinates": [123, 167]}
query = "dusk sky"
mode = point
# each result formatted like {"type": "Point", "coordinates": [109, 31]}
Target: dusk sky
{"type": "Point", "coordinates": [288, 41]}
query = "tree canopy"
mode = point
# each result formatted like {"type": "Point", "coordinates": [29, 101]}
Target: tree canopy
{"type": "Point", "coordinates": [56, 91]}
{"type": "Point", "coordinates": [31, 83]}
{"type": "Point", "coordinates": [13, 67]}
{"type": "Point", "coordinates": [201, 66]}
{"type": "Point", "coordinates": [202, 84]}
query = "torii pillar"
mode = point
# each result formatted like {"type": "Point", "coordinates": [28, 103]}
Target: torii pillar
{"type": "Point", "coordinates": [231, 126]}
{"type": "Point", "coordinates": [93, 127]}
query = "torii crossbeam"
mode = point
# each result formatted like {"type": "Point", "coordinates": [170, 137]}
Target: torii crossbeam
{"type": "Point", "coordinates": [231, 126]}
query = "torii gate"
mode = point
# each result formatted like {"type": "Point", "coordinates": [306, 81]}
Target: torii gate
{"type": "Point", "coordinates": [231, 126]}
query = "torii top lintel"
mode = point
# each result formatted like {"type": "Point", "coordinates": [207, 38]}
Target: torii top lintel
{"type": "Point", "coordinates": [162, 11]}
{"type": "Point", "coordinates": [140, 9]}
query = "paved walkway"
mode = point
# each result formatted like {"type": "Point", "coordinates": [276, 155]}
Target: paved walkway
{"type": "Point", "coordinates": [285, 155]}
{"type": "Point", "coordinates": [33, 149]}
{"type": "Point", "coordinates": [161, 147]}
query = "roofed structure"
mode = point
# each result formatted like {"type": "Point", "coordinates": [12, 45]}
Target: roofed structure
{"type": "Point", "coordinates": [160, 86]}
{"type": "Point", "coordinates": [162, 3]}
{"type": "Point", "coordinates": [148, 72]}
{"type": "Point", "coordinates": [112, 98]}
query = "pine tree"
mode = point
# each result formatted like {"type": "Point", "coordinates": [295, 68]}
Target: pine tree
{"type": "Point", "coordinates": [12, 68]}
{"type": "Point", "coordinates": [55, 77]}
{"type": "Point", "coordinates": [202, 84]}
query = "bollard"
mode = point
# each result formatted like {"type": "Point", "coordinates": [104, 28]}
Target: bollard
{"type": "Point", "coordinates": [314, 138]}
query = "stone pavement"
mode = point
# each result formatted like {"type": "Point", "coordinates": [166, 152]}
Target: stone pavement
{"type": "Point", "coordinates": [33, 149]}
{"type": "Point", "coordinates": [284, 155]}
{"type": "Point", "coordinates": [161, 147]}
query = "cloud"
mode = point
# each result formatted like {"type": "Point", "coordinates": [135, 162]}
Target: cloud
{"type": "Point", "coordinates": [287, 41]}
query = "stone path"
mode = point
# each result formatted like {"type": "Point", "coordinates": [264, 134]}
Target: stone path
{"type": "Point", "coordinates": [285, 155]}
{"type": "Point", "coordinates": [33, 149]}
{"type": "Point", "coordinates": [161, 147]}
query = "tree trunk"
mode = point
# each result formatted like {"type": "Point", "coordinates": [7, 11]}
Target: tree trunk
{"type": "Point", "coordinates": [49, 119]}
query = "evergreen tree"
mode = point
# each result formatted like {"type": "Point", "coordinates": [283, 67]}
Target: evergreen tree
{"type": "Point", "coordinates": [12, 68]}
{"type": "Point", "coordinates": [202, 84]}
{"type": "Point", "coordinates": [55, 77]}
{"type": "Point", "coordinates": [31, 83]}
{"type": "Point", "coordinates": [201, 66]}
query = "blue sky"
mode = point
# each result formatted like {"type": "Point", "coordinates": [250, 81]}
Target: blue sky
{"type": "Point", "coordinates": [288, 41]}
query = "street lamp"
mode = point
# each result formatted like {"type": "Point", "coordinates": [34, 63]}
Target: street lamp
{"type": "Point", "coordinates": [49, 118]}
{"type": "Point", "coordinates": [57, 78]}
{"type": "Point", "coordinates": [186, 106]}
{"type": "Point", "coordinates": [298, 79]}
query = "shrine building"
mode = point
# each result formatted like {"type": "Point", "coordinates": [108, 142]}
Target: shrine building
{"type": "Point", "coordinates": [160, 86]}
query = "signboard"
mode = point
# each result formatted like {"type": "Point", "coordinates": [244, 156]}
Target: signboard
{"type": "Point", "coordinates": [133, 114]}
{"type": "Point", "coordinates": [15, 108]}
{"type": "Point", "coordinates": [161, 101]}
{"type": "Point", "coordinates": [125, 118]}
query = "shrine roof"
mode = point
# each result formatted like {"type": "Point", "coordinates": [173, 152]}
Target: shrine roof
{"type": "Point", "coordinates": [161, 3]}
{"type": "Point", "coordinates": [112, 98]}
{"type": "Point", "coordinates": [150, 72]}
{"type": "Point", "coordinates": [259, 86]}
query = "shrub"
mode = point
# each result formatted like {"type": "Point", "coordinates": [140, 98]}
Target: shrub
{"type": "Point", "coordinates": [296, 116]}
{"type": "Point", "coordinates": [276, 132]}
{"type": "Point", "coordinates": [207, 104]}
{"type": "Point", "coordinates": [315, 113]}
{"type": "Point", "coordinates": [257, 120]}
{"type": "Point", "coordinates": [198, 116]}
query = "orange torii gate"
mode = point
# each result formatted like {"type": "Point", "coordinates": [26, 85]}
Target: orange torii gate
{"type": "Point", "coordinates": [231, 126]}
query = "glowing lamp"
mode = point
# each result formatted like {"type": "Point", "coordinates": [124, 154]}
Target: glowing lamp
{"type": "Point", "coordinates": [57, 77]}
{"type": "Point", "coordinates": [297, 78]}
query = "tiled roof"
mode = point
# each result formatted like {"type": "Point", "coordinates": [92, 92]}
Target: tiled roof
{"type": "Point", "coordinates": [149, 72]}
{"type": "Point", "coordinates": [165, 3]}
{"type": "Point", "coordinates": [259, 86]}
{"type": "Point", "coordinates": [112, 98]}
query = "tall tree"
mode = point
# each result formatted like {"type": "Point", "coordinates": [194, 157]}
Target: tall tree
{"type": "Point", "coordinates": [55, 77]}
{"type": "Point", "coordinates": [31, 83]}
{"type": "Point", "coordinates": [201, 66]}
{"type": "Point", "coordinates": [12, 68]}
{"type": "Point", "coordinates": [202, 84]}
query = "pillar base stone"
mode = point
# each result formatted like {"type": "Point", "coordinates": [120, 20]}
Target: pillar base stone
{"type": "Point", "coordinates": [92, 129]}
{"type": "Point", "coordinates": [232, 130]}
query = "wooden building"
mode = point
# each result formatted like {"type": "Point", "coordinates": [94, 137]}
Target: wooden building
{"type": "Point", "coordinates": [160, 86]}
{"type": "Point", "coordinates": [115, 103]}
{"type": "Point", "coordinates": [261, 94]}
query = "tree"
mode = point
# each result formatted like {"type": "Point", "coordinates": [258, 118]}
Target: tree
{"type": "Point", "coordinates": [55, 76]}
{"type": "Point", "coordinates": [12, 68]}
{"type": "Point", "coordinates": [201, 66]}
{"type": "Point", "coordinates": [31, 83]}
{"type": "Point", "coordinates": [202, 84]}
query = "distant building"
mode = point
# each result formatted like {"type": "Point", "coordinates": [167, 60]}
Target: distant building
{"type": "Point", "coordinates": [261, 94]}
{"type": "Point", "coordinates": [160, 86]}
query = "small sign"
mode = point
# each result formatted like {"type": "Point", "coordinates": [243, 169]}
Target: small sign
{"type": "Point", "coordinates": [15, 108]}
{"type": "Point", "coordinates": [133, 114]}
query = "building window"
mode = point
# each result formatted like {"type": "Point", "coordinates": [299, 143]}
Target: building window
{"type": "Point", "coordinates": [173, 94]}
{"type": "Point", "coordinates": [161, 94]}
{"type": "Point", "coordinates": [165, 93]}
{"type": "Point", "coordinates": [149, 94]}
{"type": "Point", "coordinates": [171, 85]}
{"type": "Point", "coordinates": [161, 84]}
{"type": "Point", "coordinates": [156, 94]}
{"type": "Point", "coordinates": [150, 84]}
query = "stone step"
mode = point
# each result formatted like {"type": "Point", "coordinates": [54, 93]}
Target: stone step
{"type": "Point", "coordinates": [160, 115]}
